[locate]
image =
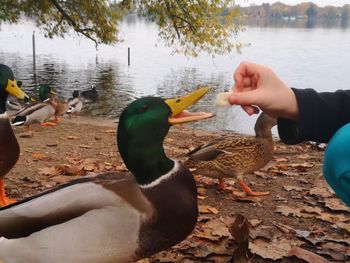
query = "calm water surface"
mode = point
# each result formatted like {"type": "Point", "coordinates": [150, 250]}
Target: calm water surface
{"type": "Point", "coordinates": [316, 58]}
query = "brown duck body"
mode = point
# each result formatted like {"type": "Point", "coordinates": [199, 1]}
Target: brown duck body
{"type": "Point", "coordinates": [37, 112]}
{"type": "Point", "coordinates": [132, 222]}
{"type": "Point", "coordinates": [231, 156]}
{"type": "Point", "coordinates": [176, 208]}
{"type": "Point", "coordinates": [235, 156]}
{"type": "Point", "coordinates": [8, 142]}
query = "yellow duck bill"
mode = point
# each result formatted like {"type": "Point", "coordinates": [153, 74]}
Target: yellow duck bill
{"type": "Point", "coordinates": [14, 90]}
{"type": "Point", "coordinates": [179, 104]}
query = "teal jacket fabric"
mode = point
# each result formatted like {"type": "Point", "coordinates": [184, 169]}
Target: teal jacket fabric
{"type": "Point", "coordinates": [336, 163]}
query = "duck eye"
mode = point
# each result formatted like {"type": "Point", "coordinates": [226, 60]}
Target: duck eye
{"type": "Point", "coordinates": [143, 108]}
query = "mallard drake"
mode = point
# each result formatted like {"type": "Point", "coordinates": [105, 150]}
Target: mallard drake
{"type": "Point", "coordinates": [113, 217]}
{"type": "Point", "coordinates": [9, 150]}
{"type": "Point", "coordinates": [75, 104]}
{"type": "Point", "coordinates": [90, 94]}
{"type": "Point", "coordinates": [38, 112]}
{"type": "Point", "coordinates": [236, 155]}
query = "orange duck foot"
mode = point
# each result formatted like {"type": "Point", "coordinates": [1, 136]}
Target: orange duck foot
{"type": "Point", "coordinates": [6, 201]}
{"type": "Point", "coordinates": [249, 191]}
{"type": "Point", "coordinates": [48, 124]}
{"type": "Point", "coordinates": [221, 186]}
{"type": "Point", "coordinates": [3, 199]}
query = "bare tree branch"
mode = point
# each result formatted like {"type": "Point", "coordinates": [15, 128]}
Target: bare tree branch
{"type": "Point", "coordinates": [73, 23]}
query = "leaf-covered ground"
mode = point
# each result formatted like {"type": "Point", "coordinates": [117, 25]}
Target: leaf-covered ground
{"type": "Point", "coordinates": [300, 221]}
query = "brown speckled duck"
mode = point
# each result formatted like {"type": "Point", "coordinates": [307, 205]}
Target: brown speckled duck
{"type": "Point", "coordinates": [236, 155]}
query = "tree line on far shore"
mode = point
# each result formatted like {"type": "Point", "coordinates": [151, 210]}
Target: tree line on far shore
{"type": "Point", "coordinates": [307, 10]}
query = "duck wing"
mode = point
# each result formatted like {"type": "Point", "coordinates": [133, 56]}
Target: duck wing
{"type": "Point", "coordinates": [222, 146]}
{"type": "Point", "coordinates": [103, 212]}
{"type": "Point", "coordinates": [30, 109]}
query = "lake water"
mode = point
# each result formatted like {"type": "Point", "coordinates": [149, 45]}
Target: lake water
{"type": "Point", "coordinates": [317, 57]}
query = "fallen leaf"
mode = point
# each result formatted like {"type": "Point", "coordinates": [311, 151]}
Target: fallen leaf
{"type": "Point", "coordinates": [240, 233]}
{"type": "Point", "coordinates": [255, 222]}
{"type": "Point", "coordinates": [335, 250]}
{"type": "Point", "coordinates": [266, 232]}
{"type": "Point", "coordinates": [70, 137]}
{"type": "Point", "coordinates": [111, 131]}
{"type": "Point", "coordinates": [39, 156]}
{"type": "Point", "coordinates": [293, 188]}
{"type": "Point", "coordinates": [301, 166]}
{"type": "Point", "coordinates": [73, 160]}
{"type": "Point", "coordinates": [206, 209]}
{"type": "Point", "coordinates": [213, 230]}
{"type": "Point", "coordinates": [342, 225]}
{"type": "Point", "coordinates": [85, 146]}
{"type": "Point", "coordinates": [60, 179]}
{"type": "Point", "coordinates": [70, 170]}
{"type": "Point", "coordinates": [336, 204]}
{"type": "Point", "coordinates": [51, 144]}
{"type": "Point", "coordinates": [51, 171]}
{"type": "Point", "coordinates": [213, 210]}
{"type": "Point", "coordinates": [26, 135]}
{"type": "Point", "coordinates": [281, 159]}
{"type": "Point", "coordinates": [288, 211]}
{"type": "Point", "coordinates": [320, 191]}
{"type": "Point", "coordinates": [306, 255]}
{"type": "Point", "coordinates": [275, 249]}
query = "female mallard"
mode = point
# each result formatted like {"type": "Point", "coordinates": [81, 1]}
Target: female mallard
{"type": "Point", "coordinates": [75, 104]}
{"type": "Point", "coordinates": [9, 150]}
{"type": "Point", "coordinates": [39, 112]}
{"type": "Point", "coordinates": [90, 94]}
{"type": "Point", "coordinates": [112, 217]}
{"type": "Point", "coordinates": [236, 155]}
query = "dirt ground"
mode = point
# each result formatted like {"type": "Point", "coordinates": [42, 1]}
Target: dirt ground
{"type": "Point", "coordinates": [300, 221]}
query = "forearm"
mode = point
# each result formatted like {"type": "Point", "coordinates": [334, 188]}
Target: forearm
{"type": "Point", "coordinates": [320, 116]}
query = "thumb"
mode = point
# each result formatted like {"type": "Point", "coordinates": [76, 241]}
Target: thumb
{"type": "Point", "coordinates": [244, 98]}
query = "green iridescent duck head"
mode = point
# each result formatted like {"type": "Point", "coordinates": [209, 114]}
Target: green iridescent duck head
{"type": "Point", "coordinates": [143, 126]}
{"type": "Point", "coordinates": [8, 85]}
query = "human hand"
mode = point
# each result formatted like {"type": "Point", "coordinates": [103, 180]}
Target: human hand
{"type": "Point", "coordinates": [258, 87]}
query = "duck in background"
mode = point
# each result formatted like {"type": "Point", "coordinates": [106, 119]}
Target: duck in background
{"type": "Point", "coordinates": [236, 156]}
{"type": "Point", "coordinates": [75, 104]}
{"type": "Point", "coordinates": [90, 94]}
{"type": "Point", "coordinates": [39, 112]}
{"type": "Point", "coordinates": [9, 149]}
{"type": "Point", "coordinates": [61, 108]}
{"type": "Point", "coordinates": [113, 217]}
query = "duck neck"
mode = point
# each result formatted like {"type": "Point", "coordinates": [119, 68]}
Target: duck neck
{"type": "Point", "coordinates": [147, 162]}
{"type": "Point", "coordinates": [263, 127]}
{"type": "Point", "coordinates": [263, 133]}
{"type": "Point", "coordinates": [3, 98]}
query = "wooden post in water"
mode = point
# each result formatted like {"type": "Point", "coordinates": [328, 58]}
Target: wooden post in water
{"type": "Point", "coordinates": [128, 56]}
{"type": "Point", "coordinates": [34, 61]}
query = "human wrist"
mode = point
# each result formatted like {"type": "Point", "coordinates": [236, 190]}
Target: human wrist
{"type": "Point", "coordinates": [292, 112]}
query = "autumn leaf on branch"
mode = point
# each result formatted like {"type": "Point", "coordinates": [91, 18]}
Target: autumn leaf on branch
{"type": "Point", "coordinates": [188, 26]}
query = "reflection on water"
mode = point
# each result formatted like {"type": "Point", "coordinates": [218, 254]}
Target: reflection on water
{"type": "Point", "coordinates": [303, 57]}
